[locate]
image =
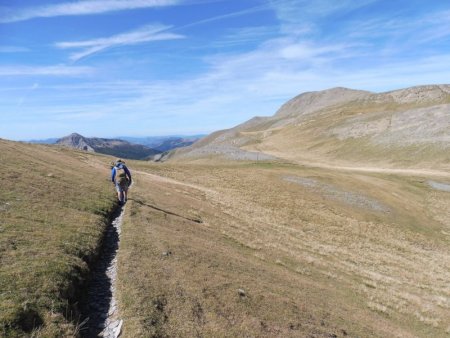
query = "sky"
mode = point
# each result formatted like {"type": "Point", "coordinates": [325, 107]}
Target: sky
{"type": "Point", "coordinates": [106, 68]}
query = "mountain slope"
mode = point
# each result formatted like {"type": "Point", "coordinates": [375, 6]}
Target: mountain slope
{"type": "Point", "coordinates": [163, 143]}
{"type": "Point", "coordinates": [174, 142]}
{"type": "Point", "coordinates": [53, 211]}
{"type": "Point", "coordinates": [114, 147]}
{"type": "Point", "coordinates": [343, 125]}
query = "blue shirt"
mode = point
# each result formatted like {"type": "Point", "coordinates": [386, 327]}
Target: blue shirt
{"type": "Point", "coordinates": [120, 166]}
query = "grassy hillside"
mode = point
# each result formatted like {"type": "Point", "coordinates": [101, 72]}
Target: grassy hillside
{"type": "Point", "coordinates": [54, 205]}
{"type": "Point", "coordinates": [402, 135]}
{"type": "Point", "coordinates": [280, 250]}
{"type": "Point", "coordinates": [403, 128]}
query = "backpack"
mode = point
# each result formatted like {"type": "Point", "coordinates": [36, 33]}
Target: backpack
{"type": "Point", "coordinates": [121, 176]}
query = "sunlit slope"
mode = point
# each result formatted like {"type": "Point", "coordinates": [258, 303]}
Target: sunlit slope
{"type": "Point", "coordinates": [53, 208]}
{"type": "Point", "coordinates": [408, 127]}
{"type": "Point", "coordinates": [283, 251]}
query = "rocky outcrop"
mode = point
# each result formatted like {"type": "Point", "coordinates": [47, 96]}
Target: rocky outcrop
{"type": "Point", "coordinates": [76, 141]}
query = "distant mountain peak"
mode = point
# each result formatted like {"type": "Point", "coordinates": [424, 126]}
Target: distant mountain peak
{"type": "Point", "coordinates": [75, 135]}
{"type": "Point", "coordinates": [114, 147]}
{"type": "Point", "coordinates": [76, 141]}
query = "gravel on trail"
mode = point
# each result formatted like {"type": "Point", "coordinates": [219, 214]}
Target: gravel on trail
{"type": "Point", "coordinates": [101, 312]}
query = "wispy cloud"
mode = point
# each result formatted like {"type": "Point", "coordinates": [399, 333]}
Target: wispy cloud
{"type": "Point", "coordinates": [243, 12]}
{"type": "Point", "coordinates": [258, 82]}
{"type": "Point", "coordinates": [399, 36]}
{"type": "Point", "coordinates": [141, 35]}
{"type": "Point", "coordinates": [13, 49]}
{"type": "Point", "coordinates": [58, 70]}
{"type": "Point", "coordinates": [431, 28]}
{"type": "Point", "coordinates": [291, 10]}
{"type": "Point", "coordinates": [86, 7]}
{"type": "Point", "coordinates": [296, 15]}
{"type": "Point", "coordinates": [246, 35]}
{"type": "Point", "coordinates": [312, 45]}
{"type": "Point", "coordinates": [27, 92]}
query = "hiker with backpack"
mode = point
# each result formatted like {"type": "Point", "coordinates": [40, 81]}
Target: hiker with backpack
{"type": "Point", "coordinates": [121, 177]}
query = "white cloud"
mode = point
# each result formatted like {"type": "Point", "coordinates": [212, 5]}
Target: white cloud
{"type": "Point", "coordinates": [143, 34]}
{"type": "Point", "coordinates": [427, 28]}
{"type": "Point", "coordinates": [309, 52]}
{"type": "Point", "coordinates": [58, 70]}
{"type": "Point", "coordinates": [27, 92]}
{"type": "Point", "coordinates": [233, 91]}
{"type": "Point", "coordinates": [298, 16]}
{"type": "Point", "coordinates": [13, 49]}
{"type": "Point", "coordinates": [247, 11]}
{"type": "Point", "coordinates": [86, 7]}
{"type": "Point", "coordinates": [235, 87]}
{"type": "Point", "coordinates": [293, 10]}
{"type": "Point", "coordinates": [246, 35]}
{"type": "Point", "coordinates": [258, 82]}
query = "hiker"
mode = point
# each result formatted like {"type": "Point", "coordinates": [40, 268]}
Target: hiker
{"type": "Point", "coordinates": [121, 177]}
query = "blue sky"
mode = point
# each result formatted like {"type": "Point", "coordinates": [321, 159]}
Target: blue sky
{"type": "Point", "coordinates": [159, 67]}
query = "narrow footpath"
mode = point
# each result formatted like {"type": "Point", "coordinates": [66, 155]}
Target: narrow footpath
{"type": "Point", "coordinates": [101, 312]}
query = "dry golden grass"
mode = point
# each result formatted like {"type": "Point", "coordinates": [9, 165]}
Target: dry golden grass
{"type": "Point", "coordinates": [377, 131]}
{"type": "Point", "coordinates": [226, 250]}
{"type": "Point", "coordinates": [53, 210]}
{"type": "Point", "coordinates": [312, 260]}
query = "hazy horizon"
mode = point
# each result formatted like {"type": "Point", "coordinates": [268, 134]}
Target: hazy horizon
{"type": "Point", "coordinates": [121, 137]}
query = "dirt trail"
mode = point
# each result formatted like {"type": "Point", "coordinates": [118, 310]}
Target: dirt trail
{"type": "Point", "coordinates": [398, 171]}
{"type": "Point", "coordinates": [317, 162]}
{"type": "Point", "coordinates": [313, 162]}
{"type": "Point", "coordinates": [101, 305]}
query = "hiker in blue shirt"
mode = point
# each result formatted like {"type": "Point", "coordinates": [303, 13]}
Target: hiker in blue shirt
{"type": "Point", "coordinates": [121, 177]}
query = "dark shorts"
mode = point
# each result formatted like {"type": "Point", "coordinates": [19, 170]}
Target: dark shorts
{"type": "Point", "coordinates": [120, 187]}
